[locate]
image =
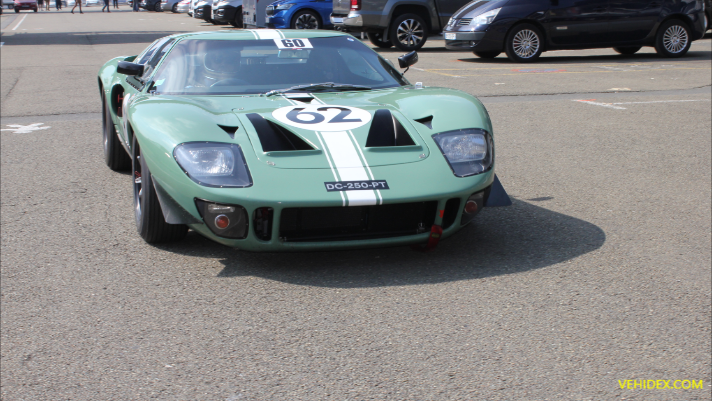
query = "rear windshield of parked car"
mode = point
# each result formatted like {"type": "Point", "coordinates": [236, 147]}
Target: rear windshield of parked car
{"type": "Point", "coordinates": [199, 66]}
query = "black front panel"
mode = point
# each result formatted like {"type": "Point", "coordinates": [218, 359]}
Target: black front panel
{"type": "Point", "coordinates": [358, 222]}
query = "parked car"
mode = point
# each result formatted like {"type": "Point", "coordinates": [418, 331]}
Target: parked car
{"type": "Point", "coordinates": [183, 6]}
{"type": "Point", "coordinates": [405, 24]}
{"type": "Point", "coordinates": [292, 140]}
{"type": "Point", "coordinates": [299, 14]}
{"type": "Point", "coordinates": [526, 28]}
{"type": "Point", "coordinates": [226, 11]}
{"type": "Point", "coordinates": [25, 5]}
{"type": "Point", "coordinates": [9, 4]}
{"type": "Point", "coordinates": [202, 10]}
{"type": "Point", "coordinates": [170, 5]}
{"type": "Point", "coordinates": [150, 5]}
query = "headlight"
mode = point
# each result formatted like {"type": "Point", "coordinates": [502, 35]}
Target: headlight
{"type": "Point", "coordinates": [286, 6]}
{"type": "Point", "coordinates": [449, 22]}
{"type": "Point", "coordinates": [213, 164]}
{"type": "Point", "coordinates": [485, 18]}
{"type": "Point", "coordinates": [467, 151]}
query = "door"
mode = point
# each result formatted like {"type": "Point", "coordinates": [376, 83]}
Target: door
{"type": "Point", "coordinates": [570, 23]}
{"type": "Point", "coordinates": [633, 20]}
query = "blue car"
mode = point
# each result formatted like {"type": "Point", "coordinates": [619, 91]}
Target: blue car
{"type": "Point", "coordinates": [299, 14]}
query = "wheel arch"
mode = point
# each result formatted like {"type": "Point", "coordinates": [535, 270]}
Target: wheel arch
{"type": "Point", "coordinates": [418, 10]}
{"type": "Point", "coordinates": [679, 16]}
{"type": "Point", "coordinates": [545, 38]}
{"type": "Point", "coordinates": [297, 11]}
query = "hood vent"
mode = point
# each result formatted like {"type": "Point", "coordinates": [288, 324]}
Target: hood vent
{"type": "Point", "coordinates": [230, 130]}
{"type": "Point", "coordinates": [427, 121]}
{"type": "Point", "coordinates": [386, 130]}
{"type": "Point", "coordinates": [275, 138]}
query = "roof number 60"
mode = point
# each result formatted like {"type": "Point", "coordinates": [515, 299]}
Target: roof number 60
{"type": "Point", "coordinates": [292, 43]}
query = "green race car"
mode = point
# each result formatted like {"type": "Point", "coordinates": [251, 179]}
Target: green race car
{"type": "Point", "coordinates": [270, 140]}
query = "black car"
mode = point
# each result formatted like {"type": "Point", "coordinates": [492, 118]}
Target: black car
{"type": "Point", "coordinates": [150, 5]}
{"type": "Point", "coordinates": [526, 28]}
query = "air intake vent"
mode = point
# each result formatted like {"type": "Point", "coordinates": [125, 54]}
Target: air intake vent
{"type": "Point", "coordinates": [230, 130]}
{"type": "Point", "coordinates": [464, 21]}
{"type": "Point", "coordinates": [386, 130]}
{"type": "Point", "coordinates": [274, 137]}
{"type": "Point", "coordinates": [427, 121]}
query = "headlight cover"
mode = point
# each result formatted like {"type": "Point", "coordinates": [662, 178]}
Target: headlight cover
{"type": "Point", "coordinates": [485, 18]}
{"type": "Point", "coordinates": [467, 151]}
{"type": "Point", "coordinates": [285, 6]}
{"type": "Point", "coordinates": [213, 164]}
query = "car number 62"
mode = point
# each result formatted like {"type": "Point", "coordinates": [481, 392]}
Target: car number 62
{"type": "Point", "coordinates": [322, 117]}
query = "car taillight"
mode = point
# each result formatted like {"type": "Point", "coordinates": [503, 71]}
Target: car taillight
{"type": "Point", "coordinates": [355, 5]}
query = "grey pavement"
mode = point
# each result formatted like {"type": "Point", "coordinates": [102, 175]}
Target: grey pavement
{"type": "Point", "coordinates": [599, 272]}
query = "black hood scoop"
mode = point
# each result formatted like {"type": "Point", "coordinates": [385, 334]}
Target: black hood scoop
{"type": "Point", "coordinates": [386, 130]}
{"type": "Point", "coordinates": [274, 137]}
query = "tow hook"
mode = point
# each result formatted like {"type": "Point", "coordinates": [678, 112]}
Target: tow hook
{"type": "Point", "coordinates": [435, 233]}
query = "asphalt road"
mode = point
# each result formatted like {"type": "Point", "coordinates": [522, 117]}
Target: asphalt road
{"type": "Point", "coordinates": [598, 273]}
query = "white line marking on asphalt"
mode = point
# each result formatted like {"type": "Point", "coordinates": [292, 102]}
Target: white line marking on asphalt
{"type": "Point", "coordinates": [591, 101]}
{"type": "Point", "coordinates": [613, 105]}
{"type": "Point", "coordinates": [666, 101]}
{"type": "Point", "coordinates": [24, 129]}
{"type": "Point", "coordinates": [18, 24]}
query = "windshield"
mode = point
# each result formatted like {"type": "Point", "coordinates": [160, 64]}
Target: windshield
{"type": "Point", "coordinates": [207, 67]}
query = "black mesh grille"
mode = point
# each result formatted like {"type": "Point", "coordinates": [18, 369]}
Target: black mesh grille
{"type": "Point", "coordinates": [358, 222]}
{"type": "Point", "coordinates": [452, 210]}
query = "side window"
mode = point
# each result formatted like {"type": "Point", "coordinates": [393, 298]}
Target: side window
{"type": "Point", "coordinates": [154, 55]}
{"type": "Point", "coordinates": [147, 53]}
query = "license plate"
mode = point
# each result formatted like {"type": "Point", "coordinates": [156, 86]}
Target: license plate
{"type": "Point", "coordinates": [450, 36]}
{"type": "Point", "coordinates": [337, 20]}
{"type": "Point", "coordinates": [355, 185]}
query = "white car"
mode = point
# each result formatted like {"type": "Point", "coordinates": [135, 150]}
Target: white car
{"type": "Point", "coordinates": [169, 5]}
{"type": "Point", "coordinates": [183, 6]}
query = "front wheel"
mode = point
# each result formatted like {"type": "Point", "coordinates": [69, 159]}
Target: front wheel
{"type": "Point", "coordinates": [408, 32]}
{"type": "Point", "coordinates": [174, 9]}
{"type": "Point", "coordinates": [673, 39]}
{"type": "Point", "coordinates": [376, 39]}
{"type": "Point", "coordinates": [627, 50]}
{"type": "Point", "coordinates": [524, 43]}
{"type": "Point", "coordinates": [114, 154]}
{"type": "Point", "coordinates": [306, 20]}
{"type": "Point", "coordinates": [486, 54]}
{"type": "Point", "coordinates": [157, 7]}
{"type": "Point", "coordinates": [237, 21]}
{"type": "Point", "coordinates": [149, 217]}
{"type": "Point", "coordinates": [17, 11]}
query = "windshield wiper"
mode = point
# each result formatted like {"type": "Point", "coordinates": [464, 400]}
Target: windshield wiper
{"type": "Point", "coordinates": [318, 87]}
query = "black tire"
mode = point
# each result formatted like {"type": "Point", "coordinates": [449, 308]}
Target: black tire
{"type": "Point", "coordinates": [237, 21]}
{"type": "Point", "coordinates": [157, 7]}
{"type": "Point", "coordinates": [114, 154]}
{"type": "Point", "coordinates": [376, 39]}
{"type": "Point", "coordinates": [174, 9]}
{"type": "Point", "coordinates": [627, 50]}
{"type": "Point", "coordinates": [524, 43]}
{"type": "Point", "coordinates": [408, 32]}
{"type": "Point", "coordinates": [673, 39]}
{"type": "Point", "coordinates": [306, 19]}
{"type": "Point", "coordinates": [17, 11]}
{"type": "Point", "coordinates": [151, 225]}
{"type": "Point", "coordinates": [487, 54]}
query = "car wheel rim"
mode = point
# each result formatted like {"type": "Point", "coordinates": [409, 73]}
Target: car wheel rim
{"type": "Point", "coordinates": [138, 187]}
{"type": "Point", "coordinates": [409, 33]}
{"type": "Point", "coordinates": [307, 21]}
{"type": "Point", "coordinates": [675, 39]}
{"type": "Point", "coordinates": [526, 43]}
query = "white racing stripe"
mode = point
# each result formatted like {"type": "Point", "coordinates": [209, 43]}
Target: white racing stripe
{"type": "Point", "coordinates": [268, 33]}
{"type": "Point", "coordinates": [349, 165]}
{"type": "Point", "coordinates": [365, 164]}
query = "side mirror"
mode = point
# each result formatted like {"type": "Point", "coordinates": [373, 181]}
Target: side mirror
{"type": "Point", "coordinates": [128, 68]}
{"type": "Point", "coordinates": [408, 59]}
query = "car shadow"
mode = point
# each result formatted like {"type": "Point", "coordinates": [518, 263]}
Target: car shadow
{"type": "Point", "coordinates": [606, 58]}
{"type": "Point", "coordinates": [502, 241]}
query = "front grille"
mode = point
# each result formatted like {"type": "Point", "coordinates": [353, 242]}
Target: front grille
{"type": "Point", "coordinates": [464, 21]}
{"type": "Point", "coordinates": [357, 222]}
